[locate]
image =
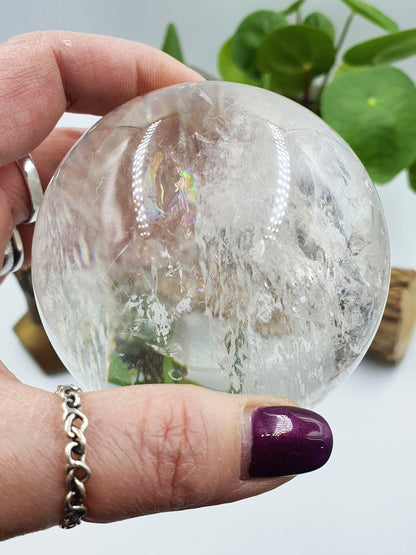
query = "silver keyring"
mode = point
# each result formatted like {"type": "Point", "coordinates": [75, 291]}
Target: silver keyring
{"type": "Point", "coordinates": [14, 253]}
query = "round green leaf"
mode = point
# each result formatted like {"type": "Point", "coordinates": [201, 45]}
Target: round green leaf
{"type": "Point", "coordinates": [227, 68]}
{"type": "Point", "coordinates": [249, 35]}
{"type": "Point", "coordinates": [374, 110]}
{"type": "Point", "coordinates": [294, 55]}
{"type": "Point", "coordinates": [372, 14]}
{"type": "Point", "coordinates": [320, 21]}
{"type": "Point", "coordinates": [385, 49]}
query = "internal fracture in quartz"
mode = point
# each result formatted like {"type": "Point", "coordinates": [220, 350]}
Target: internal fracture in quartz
{"type": "Point", "coordinates": [212, 233]}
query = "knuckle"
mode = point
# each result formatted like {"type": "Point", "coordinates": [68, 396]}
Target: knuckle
{"type": "Point", "coordinates": [160, 452]}
{"type": "Point", "coordinates": [177, 447]}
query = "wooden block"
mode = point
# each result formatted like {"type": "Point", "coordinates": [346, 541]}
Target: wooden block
{"type": "Point", "coordinates": [399, 318]}
{"type": "Point", "coordinates": [34, 339]}
{"type": "Point", "coordinates": [30, 331]}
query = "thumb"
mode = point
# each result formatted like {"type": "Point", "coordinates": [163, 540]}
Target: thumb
{"type": "Point", "coordinates": [154, 448]}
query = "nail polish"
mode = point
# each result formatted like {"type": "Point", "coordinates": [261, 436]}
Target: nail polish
{"type": "Point", "coordinates": [284, 441]}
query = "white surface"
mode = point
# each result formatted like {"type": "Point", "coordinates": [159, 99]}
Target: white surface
{"type": "Point", "coordinates": [363, 500]}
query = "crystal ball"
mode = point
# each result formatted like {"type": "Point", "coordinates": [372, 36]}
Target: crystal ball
{"type": "Point", "coordinates": [216, 234]}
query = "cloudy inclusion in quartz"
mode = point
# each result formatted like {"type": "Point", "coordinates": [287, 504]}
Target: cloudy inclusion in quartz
{"type": "Point", "coordinates": [212, 233]}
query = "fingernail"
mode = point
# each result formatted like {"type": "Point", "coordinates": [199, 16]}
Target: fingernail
{"type": "Point", "coordinates": [283, 441]}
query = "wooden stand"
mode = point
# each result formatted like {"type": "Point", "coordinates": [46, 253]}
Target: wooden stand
{"type": "Point", "coordinates": [399, 318]}
{"type": "Point", "coordinates": [30, 331]}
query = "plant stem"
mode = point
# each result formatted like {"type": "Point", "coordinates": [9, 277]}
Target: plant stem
{"type": "Point", "coordinates": [305, 98]}
{"type": "Point", "coordinates": [317, 102]}
{"type": "Point", "coordinates": [344, 32]}
{"type": "Point", "coordinates": [340, 42]}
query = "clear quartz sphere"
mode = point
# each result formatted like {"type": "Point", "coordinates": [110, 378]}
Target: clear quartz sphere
{"type": "Point", "coordinates": [212, 233]}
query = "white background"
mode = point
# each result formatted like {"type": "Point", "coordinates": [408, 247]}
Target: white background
{"type": "Point", "coordinates": [363, 500]}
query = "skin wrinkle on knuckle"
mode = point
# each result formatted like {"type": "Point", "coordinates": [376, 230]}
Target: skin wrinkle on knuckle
{"type": "Point", "coordinates": [71, 97]}
{"type": "Point", "coordinates": [177, 444]}
{"type": "Point", "coordinates": [164, 456]}
{"type": "Point", "coordinates": [188, 442]}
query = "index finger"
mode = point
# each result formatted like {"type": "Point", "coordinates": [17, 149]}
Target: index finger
{"type": "Point", "coordinates": [44, 74]}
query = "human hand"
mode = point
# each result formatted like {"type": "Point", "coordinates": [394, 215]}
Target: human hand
{"type": "Point", "coordinates": [152, 448]}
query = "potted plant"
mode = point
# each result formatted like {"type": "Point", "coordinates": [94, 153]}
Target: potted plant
{"type": "Point", "coordinates": [358, 91]}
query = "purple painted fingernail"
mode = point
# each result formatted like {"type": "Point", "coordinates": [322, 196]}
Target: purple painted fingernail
{"type": "Point", "coordinates": [284, 441]}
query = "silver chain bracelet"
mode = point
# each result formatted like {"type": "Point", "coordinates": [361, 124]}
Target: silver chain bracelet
{"type": "Point", "coordinates": [77, 472]}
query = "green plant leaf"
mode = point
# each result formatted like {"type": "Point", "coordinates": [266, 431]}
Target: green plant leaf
{"type": "Point", "coordinates": [411, 174]}
{"type": "Point", "coordinates": [248, 36]}
{"type": "Point", "coordinates": [171, 43]}
{"type": "Point", "coordinates": [172, 371]}
{"type": "Point", "coordinates": [343, 68]}
{"type": "Point", "coordinates": [372, 14]}
{"type": "Point", "coordinates": [227, 68]}
{"type": "Point", "coordinates": [374, 110]}
{"type": "Point", "coordinates": [118, 373]}
{"type": "Point", "coordinates": [293, 7]}
{"type": "Point", "coordinates": [320, 21]}
{"type": "Point", "coordinates": [293, 56]}
{"type": "Point", "coordinates": [385, 49]}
